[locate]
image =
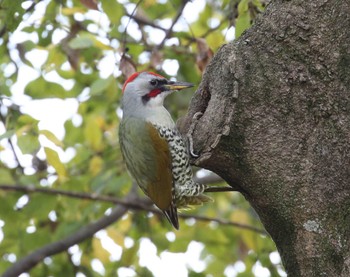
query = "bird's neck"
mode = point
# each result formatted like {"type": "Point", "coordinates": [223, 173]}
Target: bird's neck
{"type": "Point", "coordinates": [155, 115]}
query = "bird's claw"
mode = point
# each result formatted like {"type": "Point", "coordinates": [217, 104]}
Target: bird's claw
{"type": "Point", "coordinates": [195, 118]}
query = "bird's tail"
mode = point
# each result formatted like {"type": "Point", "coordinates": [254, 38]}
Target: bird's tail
{"type": "Point", "coordinates": [171, 215]}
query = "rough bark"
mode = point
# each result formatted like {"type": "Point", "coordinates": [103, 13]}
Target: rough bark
{"type": "Point", "coordinates": [276, 126]}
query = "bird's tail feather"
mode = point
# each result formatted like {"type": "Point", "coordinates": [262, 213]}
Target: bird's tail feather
{"type": "Point", "coordinates": [171, 215]}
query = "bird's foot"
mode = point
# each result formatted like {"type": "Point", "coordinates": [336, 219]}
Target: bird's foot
{"type": "Point", "coordinates": [195, 119]}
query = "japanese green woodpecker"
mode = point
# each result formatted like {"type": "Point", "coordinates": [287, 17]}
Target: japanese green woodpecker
{"type": "Point", "coordinates": [153, 149]}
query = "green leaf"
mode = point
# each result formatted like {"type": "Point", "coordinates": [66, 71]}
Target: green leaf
{"type": "Point", "coordinates": [113, 9]}
{"type": "Point", "coordinates": [66, 74]}
{"type": "Point", "coordinates": [243, 6]}
{"type": "Point", "coordinates": [54, 160]}
{"type": "Point", "coordinates": [25, 120]}
{"type": "Point", "coordinates": [100, 85]}
{"type": "Point", "coordinates": [7, 134]}
{"type": "Point", "coordinates": [243, 19]}
{"type": "Point", "coordinates": [28, 143]}
{"type": "Point", "coordinates": [6, 177]}
{"type": "Point", "coordinates": [242, 23]}
{"type": "Point", "coordinates": [41, 88]}
{"type": "Point", "coordinates": [51, 137]}
{"type": "Point", "coordinates": [13, 13]}
{"type": "Point", "coordinates": [55, 59]}
{"type": "Point", "coordinates": [72, 11]}
{"type": "Point", "coordinates": [73, 134]}
{"type": "Point", "coordinates": [81, 43]}
{"type": "Point", "coordinates": [86, 40]}
{"type": "Point", "coordinates": [129, 255]}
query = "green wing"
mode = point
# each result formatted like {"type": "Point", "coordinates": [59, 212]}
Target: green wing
{"type": "Point", "coordinates": [148, 160]}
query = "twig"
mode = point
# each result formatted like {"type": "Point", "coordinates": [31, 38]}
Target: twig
{"type": "Point", "coordinates": [142, 21]}
{"type": "Point", "coordinates": [28, 262]}
{"type": "Point", "coordinates": [170, 30]}
{"type": "Point", "coordinates": [80, 195]}
{"type": "Point", "coordinates": [225, 222]}
{"type": "Point", "coordinates": [209, 31]}
{"type": "Point", "coordinates": [127, 24]}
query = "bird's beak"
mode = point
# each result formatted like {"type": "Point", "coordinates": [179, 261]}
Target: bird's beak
{"type": "Point", "coordinates": [171, 85]}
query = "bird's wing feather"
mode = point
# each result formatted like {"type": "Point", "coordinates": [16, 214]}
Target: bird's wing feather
{"type": "Point", "coordinates": [148, 159]}
{"type": "Point", "coordinates": [161, 188]}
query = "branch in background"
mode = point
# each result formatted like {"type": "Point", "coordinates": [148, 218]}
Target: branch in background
{"type": "Point", "coordinates": [209, 179]}
{"type": "Point", "coordinates": [137, 204]}
{"type": "Point", "coordinates": [209, 31]}
{"type": "Point", "coordinates": [143, 21]}
{"type": "Point", "coordinates": [225, 222]}
{"type": "Point", "coordinates": [170, 30]}
{"type": "Point", "coordinates": [28, 262]}
{"type": "Point", "coordinates": [3, 31]}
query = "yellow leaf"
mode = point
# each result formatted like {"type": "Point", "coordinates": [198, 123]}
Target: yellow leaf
{"type": "Point", "coordinates": [150, 3]}
{"type": "Point", "coordinates": [54, 160]}
{"type": "Point", "coordinates": [71, 11]}
{"type": "Point", "coordinates": [100, 122]}
{"type": "Point", "coordinates": [240, 216]}
{"type": "Point", "coordinates": [250, 240]}
{"type": "Point", "coordinates": [93, 133]}
{"type": "Point", "coordinates": [99, 252]}
{"type": "Point", "coordinates": [51, 137]}
{"type": "Point", "coordinates": [125, 224]}
{"type": "Point", "coordinates": [116, 236]}
{"type": "Point", "coordinates": [24, 129]}
{"type": "Point", "coordinates": [95, 165]}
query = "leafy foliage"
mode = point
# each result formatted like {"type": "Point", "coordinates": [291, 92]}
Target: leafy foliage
{"type": "Point", "coordinates": [68, 50]}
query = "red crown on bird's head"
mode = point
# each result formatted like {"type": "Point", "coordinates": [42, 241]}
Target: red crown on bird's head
{"type": "Point", "coordinates": [133, 76]}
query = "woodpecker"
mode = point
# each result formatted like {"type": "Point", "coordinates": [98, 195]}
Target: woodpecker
{"type": "Point", "coordinates": [153, 149]}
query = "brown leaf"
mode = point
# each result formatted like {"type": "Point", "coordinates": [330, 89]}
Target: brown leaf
{"type": "Point", "coordinates": [127, 66]}
{"type": "Point", "coordinates": [90, 4]}
{"type": "Point", "coordinates": [204, 54]}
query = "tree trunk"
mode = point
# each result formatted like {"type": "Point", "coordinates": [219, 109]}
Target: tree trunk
{"type": "Point", "coordinates": [276, 126]}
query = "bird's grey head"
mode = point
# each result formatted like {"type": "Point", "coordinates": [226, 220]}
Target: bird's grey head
{"type": "Point", "coordinates": [147, 90]}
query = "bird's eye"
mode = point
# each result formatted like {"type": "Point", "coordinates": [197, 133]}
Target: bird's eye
{"type": "Point", "coordinates": [154, 82]}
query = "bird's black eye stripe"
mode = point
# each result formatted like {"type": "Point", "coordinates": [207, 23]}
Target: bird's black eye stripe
{"type": "Point", "coordinates": [156, 82]}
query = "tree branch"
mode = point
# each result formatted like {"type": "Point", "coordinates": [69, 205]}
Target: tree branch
{"type": "Point", "coordinates": [143, 21]}
{"type": "Point", "coordinates": [89, 230]}
{"type": "Point", "coordinates": [209, 179]}
{"type": "Point", "coordinates": [136, 204]}
{"type": "Point", "coordinates": [75, 194]}
{"type": "Point", "coordinates": [170, 30]}
{"type": "Point", "coordinates": [225, 222]}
